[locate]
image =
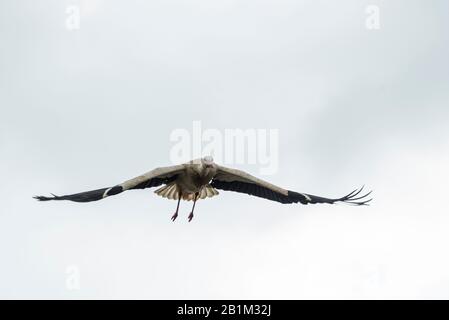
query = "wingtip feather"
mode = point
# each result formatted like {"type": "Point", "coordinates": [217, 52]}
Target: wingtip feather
{"type": "Point", "coordinates": [44, 198]}
{"type": "Point", "coordinates": [353, 198]}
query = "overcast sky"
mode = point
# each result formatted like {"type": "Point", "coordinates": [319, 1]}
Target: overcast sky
{"type": "Point", "coordinates": [91, 107]}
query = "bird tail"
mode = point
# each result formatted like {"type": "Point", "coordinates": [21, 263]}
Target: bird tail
{"type": "Point", "coordinates": [171, 191]}
{"type": "Point", "coordinates": [208, 192]}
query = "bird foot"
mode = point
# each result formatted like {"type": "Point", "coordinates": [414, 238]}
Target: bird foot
{"type": "Point", "coordinates": [173, 218]}
{"type": "Point", "coordinates": [190, 216]}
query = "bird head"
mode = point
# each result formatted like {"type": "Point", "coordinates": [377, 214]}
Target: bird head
{"type": "Point", "coordinates": [208, 162]}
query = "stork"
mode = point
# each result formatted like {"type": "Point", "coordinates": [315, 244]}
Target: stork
{"type": "Point", "coordinates": [200, 179]}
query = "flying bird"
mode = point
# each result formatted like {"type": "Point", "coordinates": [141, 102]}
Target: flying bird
{"type": "Point", "coordinates": [200, 179]}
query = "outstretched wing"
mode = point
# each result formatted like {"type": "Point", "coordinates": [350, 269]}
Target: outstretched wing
{"type": "Point", "coordinates": [239, 181]}
{"type": "Point", "coordinates": [150, 179]}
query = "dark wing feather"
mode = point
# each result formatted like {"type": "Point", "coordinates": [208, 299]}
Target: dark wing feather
{"type": "Point", "coordinates": [151, 179]}
{"type": "Point", "coordinates": [87, 196]}
{"type": "Point", "coordinates": [155, 182]}
{"type": "Point", "coordinates": [235, 180]}
{"type": "Point", "coordinates": [350, 198]}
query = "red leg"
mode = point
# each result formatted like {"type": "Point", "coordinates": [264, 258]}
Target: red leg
{"type": "Point", "coordinates": [173, 218]}
{"type": "Point", "coordinates": [193, 208]}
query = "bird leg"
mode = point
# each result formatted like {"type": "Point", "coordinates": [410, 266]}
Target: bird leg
{"type": "Point", "coordinates": [193, 208]}
{"type": "Point", "coordinates": [173, 218]}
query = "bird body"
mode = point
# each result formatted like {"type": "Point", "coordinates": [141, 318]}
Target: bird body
{"type": "Point", "coordinates": [196, 175]}
{"type": "Point", "coordinates": [193, 179]}
{"type": "Point", "coordinates": [199, 179]}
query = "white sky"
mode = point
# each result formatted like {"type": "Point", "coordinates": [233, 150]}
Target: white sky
{"type": "Point", "coordinates": [92, 107]}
